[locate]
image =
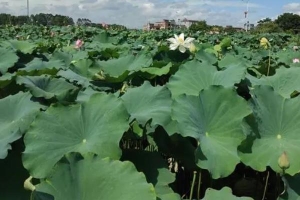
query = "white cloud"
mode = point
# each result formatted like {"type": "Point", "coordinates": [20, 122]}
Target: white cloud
{"type": "Point", "coordinates": [292, 7]}
{"type": "Point", "coordinates": [135, 13]}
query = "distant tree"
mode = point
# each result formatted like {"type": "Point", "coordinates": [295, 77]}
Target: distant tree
{"type": "Point", "coordinates": [267, 27]}
{"type": "Point", "coordinates": [288, 22]}
{"type": "Point", "coordinates": [199, 26]}
{"type": "Point", "coordinates": [266, 20]}
{"type": "Point", "coordinates": [117, 27]}
{"type": "Point", "coordinates": [83, 22]}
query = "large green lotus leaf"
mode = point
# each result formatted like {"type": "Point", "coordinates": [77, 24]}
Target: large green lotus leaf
{"type": "Point", "coordinates": [81, 71]}
{"type": "Point", "coordinates": [230, 59]}
{"type": "Point", "coordinates": [97, 179]}
{"type": "Point", "coordinates": [148, 102]}
{"type": "Point", "coordinates": [214, 118]}
{"type": "Point", "coordinates": [292, 189]}
{"type": "Point", "coordinates": [38, 65]}
{"type": "Point", "coordinates": [82, 67]}
{"type": "Point", "coordinates": [155, 169]}
{"type": "Point", "coordinates": [103, 37]}
{"type": "Point", "coordinates": [16, 114]}
{"type": "Point", "coordinates": [86, 94]}
{"type": "Point", "coordinates": [47, 87]}
{"type": "Point", "coordinates": [6, 79]}
{"type": "Point", "coordinates": [7, 60]}
{"type": "Point", "coordinates": [74, 77]}
{"type": "Point", "coordinates": [194, 76]}
{"type": "Point", "coordinates": [278, 124]}
{"type": "Point", "coordinates": [23, 46]}
{"type": "Point", "coordinates": [287, 56]}
{"type": "Point", "coordinates": [95, 126]}
{"type": "Point", "coordinates": [62, 56]}
{"type": "Point", "coordinates": [284, 82]}
{"type": "Point", "coordinates": [157, 71]}
{"type": "Point", "coordinates": [122, 66]}
{"type": "Point", "coordinates": [206, 57]}
{"type": "Point", "coordinates": [225, 193]}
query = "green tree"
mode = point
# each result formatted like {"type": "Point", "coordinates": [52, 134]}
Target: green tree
{"type": "Point", "coordinates": [289, 22]}
{"type": "Point", "coordinates": [199, 26]}
{"type": "Point", "coordinates": [266, 20]}
{"type": "Point", "coordinates": [267, 27]}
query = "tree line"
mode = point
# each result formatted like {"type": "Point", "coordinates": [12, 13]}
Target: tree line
{"type": "Point", "coordinates": [287, 22]}
{"type": "Point", "coordinates": [50, 20]}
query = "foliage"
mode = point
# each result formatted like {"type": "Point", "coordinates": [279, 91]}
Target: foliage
{"type": "Point", "coordinates": [122, 116]}
{"type": "Point", "coordinates": [199, 26]}
{"type": "Point", "coordinates": [288, 22]}
{"type": "Point", "coordinates": [37, 19]}
{"type": "Point", "coordinates": [267, 27]}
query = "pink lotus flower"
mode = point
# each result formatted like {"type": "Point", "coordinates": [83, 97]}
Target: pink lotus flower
{"type": "Point", "coordinates": [78, 44]}
{"type": "Point", "coordinates": [296, 60]}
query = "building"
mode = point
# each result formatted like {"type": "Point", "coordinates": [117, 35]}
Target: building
{"type": "Point", "coordinates": [165, 24]}
{"type": "Point", "coordinates": [187, 23]}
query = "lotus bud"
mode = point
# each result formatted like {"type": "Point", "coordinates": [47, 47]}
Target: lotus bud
{"type": "Point", "coordinates": [283, 161]}
{"type": "Point", "coordinates": [192, 48]}
{"type": "Point", "coordinates": [264, 43]}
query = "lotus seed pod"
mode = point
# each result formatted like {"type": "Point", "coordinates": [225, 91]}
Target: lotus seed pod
{"type": "Point", "coordinates": [283, 161]}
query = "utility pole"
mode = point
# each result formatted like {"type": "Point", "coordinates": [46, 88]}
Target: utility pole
{"type": "Point", "coordinates": [246, 16]}
{"type": "Point", "coordinates": [28, 11]}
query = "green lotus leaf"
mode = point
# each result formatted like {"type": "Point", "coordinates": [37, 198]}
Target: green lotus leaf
{"type": "Point", "coordinates": [6, 79]}
{"type": "Point", "coordinates": [95, 126]}
{"type": "Point", "coordinates": [7, 60]}
{"type": "Point", "coordinates": [230, 60]}
{"type": "Point", "coordinates": [278, 127]}
{"type": "Point", "coordinates": [225, 193]}
{"type": "Point", "coordinates": [23, 46]}
{"type": "Point", "coordinates": [287, 56]}
{"type": "Point", "coordinates": [97, 179]}
{"type": "Point", "coordinates": [47, 87]}
{"type": "Point", "coordinates": [155, 169]}
{"type": "Point", "coordinates": [206, 57]}
{"type": "Point", "coordinates": [17, 113]}
{"type": "Point", "coordinates": [157, 71]}
{"type": "Point", "coordinates": [121, 67]}
{"type": "Point", "coordinates": [285, 81]}
{"type": "Point", "coordinates": [148, 102]}
{"type": "Point", "coordinates": [74, 77]}
{"type": "Point", "coordinates": [86, 94]}
{"type": "Point", "coordinates": [214, 119]}
{"type": "Point", "coordinates": [38, 65]}
{"type": "Point", "coordinates": [194, 76]}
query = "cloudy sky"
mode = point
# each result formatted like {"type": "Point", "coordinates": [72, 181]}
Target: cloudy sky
{"type": "Point", "coordinates": [135, 13]}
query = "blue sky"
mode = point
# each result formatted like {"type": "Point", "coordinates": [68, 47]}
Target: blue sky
{"type": "Point", "coordinates": [136, 13]}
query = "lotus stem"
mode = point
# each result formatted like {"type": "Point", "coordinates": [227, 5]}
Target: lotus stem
{"type": "Point", "coordinates": [193, 184]}
{"type": "Point", "coordinates": [266, 185]}
{"type": "Point", "coordinates": [269, 64]}
{"type": "Point", "coordinates": [199, 185]}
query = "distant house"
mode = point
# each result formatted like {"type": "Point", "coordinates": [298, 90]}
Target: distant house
{"type": "Point", "coordinates": [187, 22]}
{"type": "Point", "coordinates": [165, 24]}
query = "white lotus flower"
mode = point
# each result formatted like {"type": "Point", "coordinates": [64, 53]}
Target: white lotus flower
{"type": "Point", "coordinates": [180, 42]}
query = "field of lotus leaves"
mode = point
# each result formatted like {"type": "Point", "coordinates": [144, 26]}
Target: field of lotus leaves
{"type": "Point", "coordinates": [92, 114]}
